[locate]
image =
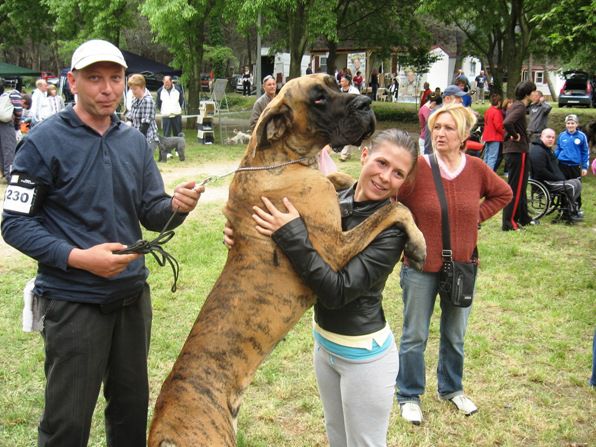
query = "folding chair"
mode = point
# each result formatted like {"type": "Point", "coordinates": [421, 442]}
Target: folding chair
{"type": "Point", "coordinates": [218, 95]}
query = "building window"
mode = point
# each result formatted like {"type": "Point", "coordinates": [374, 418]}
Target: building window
{"type": "Point", "coordinates": [524, 75]}
{"type": "Point", "coordinates": [323, 64]}
{"type": "Point", "coordinates": [539, 77]}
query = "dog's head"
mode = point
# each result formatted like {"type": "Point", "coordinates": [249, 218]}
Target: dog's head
{"type": "Point", "coordinates": [310, 112]}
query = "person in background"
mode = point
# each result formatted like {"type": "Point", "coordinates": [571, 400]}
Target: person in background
{"type": "Point", "coordinates": [246, 82]}
{"type": "Point", "coordinates": [474, 193]}
{"type": "Point", "coordinates": [423, 114]}
{"type": "Point", "coordinates": [374, 83]}
{"type": "Point", "coordinates": [142, 112]}
{"type": "Point", "coordinates": [355, 356]}
{"type": "Point", "coordinates": [545, 168]}
{"type": "Point", "coordinates": [55, 100]}
{"type": "Point", "coordinates": [426, 92]}
{"type": "Point", "coordinates": [515, 150]}
{"type": "Point", "coordinates": [9, 129]}
{"type": "Point", "coordinates": [481, 82]}
{"type": "Point", "coordinates": [573, 152]}
{"type": "Point", "coordinates": [394, 89]}
{"type": "Point", "coordinates": [40, 106]}
{"type": "Point", "coordinates": [358, 80]}
{"type": "Point", "coordinates": [97, 183]}
{"type": "Point", "coordinates": [345, 86]}
{"type": "Point", "coordinates": [270, 90]}
{"type": "Point", "coordinates": [170, 102]}
{"type": "Point", "coordinates": [538, 111]}
{"type": "Point", "coordinates": [466, 98]}
{"type": "Point", "coordinates": [493, 133]}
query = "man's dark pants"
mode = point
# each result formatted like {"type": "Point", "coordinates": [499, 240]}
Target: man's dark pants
{"type": "Point", "coordinates": [86, 345]}
{"type": "Point", "coordinates": [172, 126]}
{"type": "Point", "coordinates": [572, 172]}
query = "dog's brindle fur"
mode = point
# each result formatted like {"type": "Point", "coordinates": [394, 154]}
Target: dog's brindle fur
{"type": "Point", "coordinates": [258, 298]}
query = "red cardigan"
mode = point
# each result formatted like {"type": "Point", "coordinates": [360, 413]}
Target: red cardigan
{"type": "Point", "coordinates": [466, 208]}
{"type": "Point", "coordinates": [493, 125]}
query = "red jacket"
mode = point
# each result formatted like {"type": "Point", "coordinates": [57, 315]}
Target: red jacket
{"type": "Point", "coordinates": [493, 125]}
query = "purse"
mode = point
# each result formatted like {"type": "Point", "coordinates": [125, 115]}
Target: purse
{"type": "Point", "coordinates": [456, 279]}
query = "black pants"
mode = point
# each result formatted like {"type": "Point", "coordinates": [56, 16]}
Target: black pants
{"type": "Point", "coordinates": [572, 172]}
{"type": "Point", "coordinates": [246, 88]}
{"type": "Point", "coordinates": [172, 126]}
{"type": "Point", "coordinates": [86, 345]}
{"type": "Point", "coordinates": [516, 212]}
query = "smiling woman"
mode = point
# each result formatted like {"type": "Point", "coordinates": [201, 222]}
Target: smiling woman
{"type": "Point", "coordinates": [355, 356]}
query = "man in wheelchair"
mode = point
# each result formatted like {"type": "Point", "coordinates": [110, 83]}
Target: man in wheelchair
{"type": "Point", "coordinates": [545, 169]}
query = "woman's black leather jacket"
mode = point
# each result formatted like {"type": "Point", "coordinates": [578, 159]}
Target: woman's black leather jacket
{"type": "Point", "coordinates": [348, 301]}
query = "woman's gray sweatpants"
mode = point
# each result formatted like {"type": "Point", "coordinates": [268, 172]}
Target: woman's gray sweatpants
{"type": "Point", "coordinates": [357, 397]}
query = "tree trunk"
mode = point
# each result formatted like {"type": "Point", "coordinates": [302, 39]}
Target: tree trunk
{"type": "Point", "coordinates": [459, 53]}
{"type": "Point", "coordinates": [553, 91]}
{"type": "Point", "coordinates": [297, 21]}
{"type": "Point", "coordinates": [331, 57]}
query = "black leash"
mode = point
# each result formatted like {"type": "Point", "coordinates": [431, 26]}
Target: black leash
{"type": "Point", "coordinates": [155, 248]}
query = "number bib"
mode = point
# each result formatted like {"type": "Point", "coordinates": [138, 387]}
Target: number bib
{"type": "Point", "coordinates": [23, 195]}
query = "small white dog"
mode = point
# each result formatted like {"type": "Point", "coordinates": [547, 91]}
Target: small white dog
{"type": "Point", "coordinates": [238, 138]}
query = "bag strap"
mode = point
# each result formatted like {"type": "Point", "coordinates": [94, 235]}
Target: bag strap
{"type": "Point", "coordinates": [446, 253]}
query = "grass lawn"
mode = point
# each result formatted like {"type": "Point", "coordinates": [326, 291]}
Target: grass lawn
{"type": "Point", "coordinates": [528, 347]}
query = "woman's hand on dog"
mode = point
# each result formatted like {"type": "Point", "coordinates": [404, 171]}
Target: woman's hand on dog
{"type": "Point", "coordinates": [269, 222]}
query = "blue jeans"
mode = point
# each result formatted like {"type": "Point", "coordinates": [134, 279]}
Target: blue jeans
{"type": "Point", "coordinates": [491, 153]}
{"type": "Point", "coordinates": [420, 290]}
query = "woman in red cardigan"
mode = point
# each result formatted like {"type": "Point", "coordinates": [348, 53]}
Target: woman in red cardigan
{"type": "Point", "coordinates": [474, 193]}
{"type": "Point", "coordinates": [494, 132]}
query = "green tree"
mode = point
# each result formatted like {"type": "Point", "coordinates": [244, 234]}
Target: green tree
{"type": "Point", "coordinates": [499, 32]}
{"type": "Point", "coordinates": [181, 25]}
{"type": "Point", "coordinates": [568, 29]}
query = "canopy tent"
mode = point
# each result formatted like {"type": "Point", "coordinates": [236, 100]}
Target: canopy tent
{"type": "Point", "coordinates": [139, 64]}
{"type": "Point", "coordinates": [9, 70]}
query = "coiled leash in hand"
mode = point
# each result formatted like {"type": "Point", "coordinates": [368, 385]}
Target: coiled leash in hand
{"type": "Point", "coordinates": [155, 246]}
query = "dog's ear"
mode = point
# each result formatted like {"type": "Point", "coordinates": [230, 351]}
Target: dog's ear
{"type": "Point", "coordinates": [274, 123]}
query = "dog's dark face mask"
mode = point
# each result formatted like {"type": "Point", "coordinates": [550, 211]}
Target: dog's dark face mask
{"type": "Point", "coordinates": [342, 118]}
{"type": "Point", "coordinates": [310, 112]}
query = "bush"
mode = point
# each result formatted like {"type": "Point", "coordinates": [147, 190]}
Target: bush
{"type": "Point", "coordinates": [390, 111]}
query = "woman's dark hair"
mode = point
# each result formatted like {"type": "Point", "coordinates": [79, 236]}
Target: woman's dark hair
{"type": "Point", "coordinates": [523, 89]}
{"type": "Point", "coordinates": [495, 99]}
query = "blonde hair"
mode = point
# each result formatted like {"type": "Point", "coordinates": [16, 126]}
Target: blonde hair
{"type": "Point", "coordinates": [464, 119]}
{"type": "Point", "coordinates": [137, 80]}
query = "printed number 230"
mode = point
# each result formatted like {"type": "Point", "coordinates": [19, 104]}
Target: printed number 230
{"type": "Point", "coordinates": [17, 196]}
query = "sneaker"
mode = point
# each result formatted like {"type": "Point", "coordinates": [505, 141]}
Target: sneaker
{"type": "Point", "coordinates": [464, 404]}
{"type": "Point", "coordinates": [411, 412]}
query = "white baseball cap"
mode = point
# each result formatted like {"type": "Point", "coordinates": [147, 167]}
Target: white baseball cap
{"type": "Point", "coordinates": [94, 51]}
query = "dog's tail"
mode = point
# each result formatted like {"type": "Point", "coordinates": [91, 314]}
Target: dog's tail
{"type": "Point", "coordinates": [181, 134]}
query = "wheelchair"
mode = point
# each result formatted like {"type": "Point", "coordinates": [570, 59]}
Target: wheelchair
{"type": "Point", "coordinates": [543, 202]}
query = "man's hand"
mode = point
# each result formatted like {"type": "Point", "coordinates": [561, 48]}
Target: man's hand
{"type": "Point", "coordinates": [269, 222]}
{"type": "Point", "coordinates": [100, 259]}
{"type": "Point", "coordinates": [185, 197]}
{"type": "Point", "coordinates": [228, 231]}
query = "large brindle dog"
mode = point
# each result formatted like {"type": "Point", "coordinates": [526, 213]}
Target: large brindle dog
{"type": "Point", "coordinates": [258, 298]}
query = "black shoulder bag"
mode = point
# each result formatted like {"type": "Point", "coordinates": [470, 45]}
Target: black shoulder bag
{"type": "Point", "coordinates": [456, 279]}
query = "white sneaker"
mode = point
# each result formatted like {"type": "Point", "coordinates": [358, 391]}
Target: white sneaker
{"type": "Point", "coordinates": [411, 412]}
{"type": "Point", "coordinates": [464, 404]}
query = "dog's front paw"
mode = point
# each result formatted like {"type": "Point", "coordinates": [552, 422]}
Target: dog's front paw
{"type": "Point", "coordinates": [415, 249]}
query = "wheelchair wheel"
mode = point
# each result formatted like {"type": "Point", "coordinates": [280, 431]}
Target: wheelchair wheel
{"type": "Point", "coordinates": [539, 200]}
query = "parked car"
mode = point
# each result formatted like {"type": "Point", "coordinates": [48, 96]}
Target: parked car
{"type": "Point", "coordinates": [579, 89]}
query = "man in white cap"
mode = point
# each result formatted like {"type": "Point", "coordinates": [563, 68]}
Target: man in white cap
{"type": "Point", "coordinates": [85, 183]}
